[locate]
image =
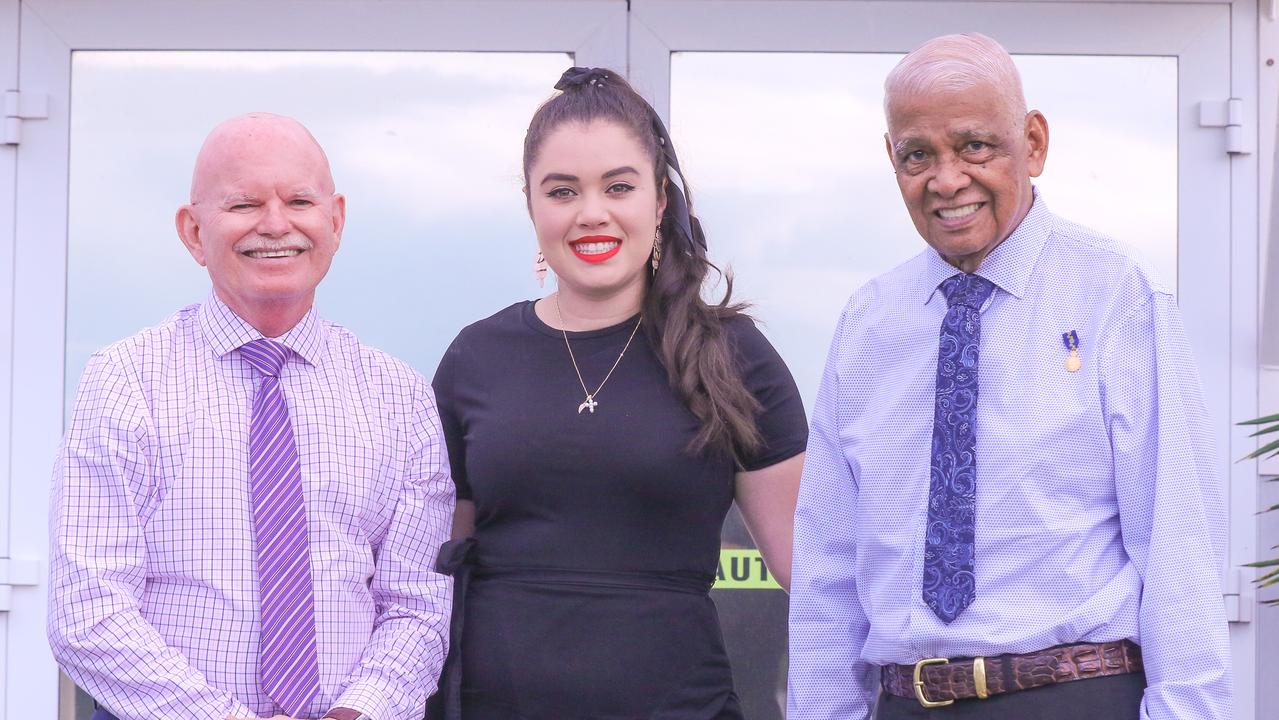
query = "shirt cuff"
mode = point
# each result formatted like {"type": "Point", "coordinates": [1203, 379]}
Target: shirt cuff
{"type": "Point", "coordinates": [370, 698]}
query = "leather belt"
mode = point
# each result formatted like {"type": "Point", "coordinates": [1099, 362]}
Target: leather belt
{"type": "Point", "coordinates": [936, 682]}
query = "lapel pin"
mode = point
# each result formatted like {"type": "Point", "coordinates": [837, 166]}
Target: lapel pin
{"type": "Point", "coordinates": [1071, 341]}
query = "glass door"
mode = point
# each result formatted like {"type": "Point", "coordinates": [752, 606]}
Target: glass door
{"type": "Point", "coordinates": [777, 108]}
{"type": "Point", "coordinates": [421, 107]}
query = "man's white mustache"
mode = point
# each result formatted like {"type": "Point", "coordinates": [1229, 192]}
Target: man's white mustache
{"type": "Point", "coordinates": [275, 245]}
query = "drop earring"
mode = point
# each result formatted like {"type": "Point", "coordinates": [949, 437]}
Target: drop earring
{"type": "Point", "coordinates": [539, 269]}
{"type": "Point", "coordinates": [657, 249]}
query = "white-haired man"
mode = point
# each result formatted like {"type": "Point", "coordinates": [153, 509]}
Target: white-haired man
{"type": "Point", "coordinates": [248, 501]}
{"type": "Point", "coordinates": [1008, 508]}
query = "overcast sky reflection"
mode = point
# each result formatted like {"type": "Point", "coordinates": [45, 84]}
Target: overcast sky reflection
{"type": "Point", "coordinates": [784, 152]}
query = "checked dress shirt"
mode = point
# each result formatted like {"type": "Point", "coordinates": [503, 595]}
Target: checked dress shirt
{"type": "Point", "coordinates": [154, 606]}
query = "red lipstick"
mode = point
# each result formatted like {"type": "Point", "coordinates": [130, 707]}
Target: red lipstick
{"type": "Point", "coordinates": [579, 245]}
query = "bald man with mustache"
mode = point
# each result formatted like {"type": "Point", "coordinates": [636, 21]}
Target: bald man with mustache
{"type": "Point", "coordinates": [248, 502]}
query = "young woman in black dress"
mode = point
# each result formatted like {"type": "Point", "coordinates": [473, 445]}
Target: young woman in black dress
{"type": "Point", "coordinates": [599, 435]}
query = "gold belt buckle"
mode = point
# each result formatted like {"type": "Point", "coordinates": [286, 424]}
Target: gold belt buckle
{"type": "Point", "coordinates": [979, 681]}
{"type": "Point", "coordinates": [919, 683]}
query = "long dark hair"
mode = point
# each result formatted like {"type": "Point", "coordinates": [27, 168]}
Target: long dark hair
{"type": "Point", "coordinates": [687, 332]}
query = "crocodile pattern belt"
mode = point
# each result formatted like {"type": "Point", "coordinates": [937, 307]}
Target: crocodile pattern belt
{"type": "Point", "coordinates": [935, 682]}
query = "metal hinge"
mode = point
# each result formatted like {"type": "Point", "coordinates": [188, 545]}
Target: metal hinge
{"type": "Point", "coordinates": [19, 106]}
{"type": "Point", "coordinates": [1238, 596]}
{"type": "Point", "coordinates": [1228, 115]}
{"type": "Point", "coordinates": [15, 573]}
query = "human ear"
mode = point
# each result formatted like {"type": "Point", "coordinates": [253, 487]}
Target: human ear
{"type": "Point", "coordinates": [189, 232]}
{"type": "Point", "coordinates": [1036, 142]}
{"type": "Point", "coordinates": [339, 217]}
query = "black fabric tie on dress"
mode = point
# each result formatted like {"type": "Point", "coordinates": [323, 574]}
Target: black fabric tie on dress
{"type": "Point", "coordinates": [456, 559]}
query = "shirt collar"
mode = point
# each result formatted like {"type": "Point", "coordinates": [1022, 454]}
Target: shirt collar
{"type": "Point", "coordinates": [227, 331]}
{"type": "Point", "coordinates": [1010, 264]}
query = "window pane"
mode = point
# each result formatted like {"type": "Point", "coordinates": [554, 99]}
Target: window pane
{"type": "Point", "coordinates": [785, 154]}
{"type": "Point", "coordinates": [426, 147]}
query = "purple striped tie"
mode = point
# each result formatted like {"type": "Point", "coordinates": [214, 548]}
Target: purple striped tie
{"type": "Point", "coordinates": [287, 657]}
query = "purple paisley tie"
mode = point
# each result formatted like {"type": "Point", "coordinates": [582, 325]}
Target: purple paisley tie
{"type": "Point", "coordinates": [949, 583]}
{"type": "Point", "coordinates": [287, 657]}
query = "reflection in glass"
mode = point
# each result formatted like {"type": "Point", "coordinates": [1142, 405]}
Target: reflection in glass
{"type": "Point", "coordinates": [785, 153]}
{"type": "Point", "coordinates": [426, 147]}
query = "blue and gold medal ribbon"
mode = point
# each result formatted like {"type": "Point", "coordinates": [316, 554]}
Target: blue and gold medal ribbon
{"type": "Point", "coordinates": [1071, 341]}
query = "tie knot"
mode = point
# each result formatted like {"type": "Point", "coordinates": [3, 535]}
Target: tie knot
{"type": "Point", "coordinates": [267, 356]}
{"type": "Point", "coordinates": [967, 290]}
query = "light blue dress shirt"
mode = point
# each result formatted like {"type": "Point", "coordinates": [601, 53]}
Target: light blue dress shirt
{"type": "Point", "coordinates": [1099, 514]}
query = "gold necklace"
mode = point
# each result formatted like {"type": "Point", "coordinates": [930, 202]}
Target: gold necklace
{"type": "Point", "coordinates": [590, 403]}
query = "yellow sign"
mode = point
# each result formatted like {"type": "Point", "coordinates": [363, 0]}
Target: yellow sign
{"type": "Point", "coordinates": [743, 570]}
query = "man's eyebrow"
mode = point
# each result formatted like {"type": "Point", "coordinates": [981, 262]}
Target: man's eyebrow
{"type": "Point", "coordinates": [969, 133]}
{"type": "Point", "coordinates": [236, 198]}
{"type": "Point", "coordinates": [905, 144]}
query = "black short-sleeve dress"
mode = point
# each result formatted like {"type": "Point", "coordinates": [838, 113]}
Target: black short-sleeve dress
{"type": "Point", "coordinates": [597, 534]}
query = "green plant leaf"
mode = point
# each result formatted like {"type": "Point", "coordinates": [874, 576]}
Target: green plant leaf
{"type": "Point", "coordinates": [1265, 430]}
{"type": "Point", "coordinates": [1271, 446]}
{"type": "Point", "coordinates": [1261, 420]}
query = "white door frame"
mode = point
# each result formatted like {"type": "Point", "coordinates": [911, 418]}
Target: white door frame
{"type": "Point", "coordinates": [11, 672]}
{"type": "Point", "coordinates": [1219, 289]}
{"type": "Point", "coordinates": [1216, 47]}
{"type": "Point", "coordinates": [50, 31]}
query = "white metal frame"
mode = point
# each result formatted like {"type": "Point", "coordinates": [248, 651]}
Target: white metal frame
{"type": "Point", "coordinates": [1254, 662]}
{"type": "Point", "coordinates": [1217, 48]}
{"type": "Point", "coordinates": [50, 31]}
{"type": "Point", "coordinates": [8, 206]}
{"type": "Point", "coordinates": [1219, 280]}
{"type": "Point", "coordinates": [1267, 677]}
